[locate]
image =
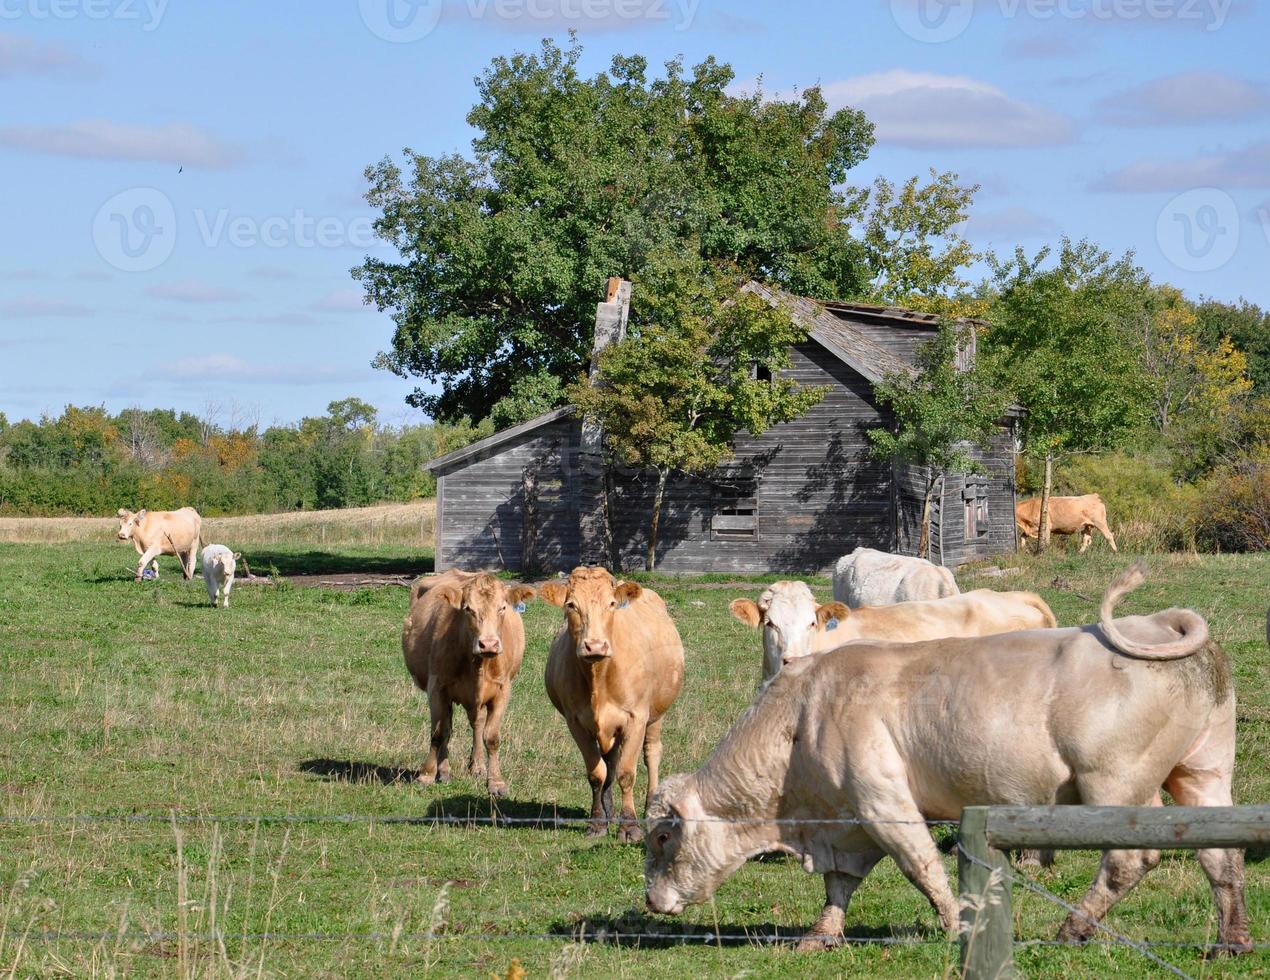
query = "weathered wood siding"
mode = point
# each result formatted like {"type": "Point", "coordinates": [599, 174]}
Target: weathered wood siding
{"type": "Point", "coordinates": [819, 495]}
{"type": "Point", "coordinates": [482, 505]}
{"type": "Point", "coordinates": [896, 338]}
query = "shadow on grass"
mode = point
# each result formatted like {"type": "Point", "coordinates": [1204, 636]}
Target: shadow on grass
{"type": "Point", "coordinates": [635, 929]}
{"type": "Point", "coordinates": [345, 771]}
{"type": "Point", "coordinates": [331, 563]}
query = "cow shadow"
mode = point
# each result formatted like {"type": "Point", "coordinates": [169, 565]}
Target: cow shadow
{"type": "Point", "coordinates": [635, 929]}
{"type": "Point", "coordinates": [263, 561]}
{"type": "Point", "coordinates": [347, 771]}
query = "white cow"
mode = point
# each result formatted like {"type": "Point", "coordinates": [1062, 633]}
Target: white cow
{"type": "Point", "coordinates": [219, 564]}
{"type": "Point", "coordinates": [874, 578]}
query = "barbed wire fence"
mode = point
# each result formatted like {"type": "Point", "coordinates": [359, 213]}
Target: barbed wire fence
{"type": "Point", "coordinates": [612, 932]}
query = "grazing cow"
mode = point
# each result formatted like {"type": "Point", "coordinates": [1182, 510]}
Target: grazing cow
{"type": "Point", "coordinates": [615, 667]}
{"type": "Point", "coordinates": [219, 564]}
{"type": "Point", "coordinates": [162, 532]}
{"type": "Point", "coordinates": [795, 626]}
{"type": "Point", "coordinates": [891, 735]}
{"type": "Point", "coordinates": [1068, 515]}
{"type": "Point", "coordinates": [463, 642]}
{"type": "Point", "coordinates": [874, 578]}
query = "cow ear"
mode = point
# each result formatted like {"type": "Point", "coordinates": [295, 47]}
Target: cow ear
{"type": "Point", "coordinates": [520, 595]}
{"type": "Point", "coordinates": [448, 593]}
{"type": "Point", "coordinates": [238, 556]}
{"type": "Point", "coordinates": [832, 612]}
{"type": "Point", "coordinates": [627, 592]}
{"type": "Point", "coordinates": [141, 514]}
{"type": "Point", "coordinates": [554, 593]}
{"type": "Point", "coordinates": [125, 514]}
{"type": "Point", "coordinates": [747, 611]}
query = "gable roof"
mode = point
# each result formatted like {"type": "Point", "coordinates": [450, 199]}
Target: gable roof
{"type": "Point", "coordinates": [860, 353]}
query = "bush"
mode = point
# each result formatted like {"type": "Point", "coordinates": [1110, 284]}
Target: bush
{"type": "Point", "coordinates": [1236, 511]}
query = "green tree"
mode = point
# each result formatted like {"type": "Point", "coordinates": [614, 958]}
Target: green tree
{"type": "Point", "coordinates": [573, 180]}
{"type": "Point", "coordinates": [1247, 326]}
{"type": "Point", "coordinates": [940, 410]}
{"type": "Point", "coordinates": [700, 368]}
{"type": "Point", "coordinates": [1067, 341]}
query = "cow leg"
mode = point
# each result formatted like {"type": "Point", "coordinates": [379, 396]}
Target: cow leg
{"type": "Point", "coordinates": [840, 885]}
{"type": "Point", "coordinates": [229, 584]}
{"type": "Point", "coordinates": [212, 591]}
{"type": "Point", "coordinates": [151, 554]}
{"type": "Point", "coordinates": [1191, 785]}
{"type": "Point", "coordinates": [441, 711]}
{"type": "Point", "coordinates": [596, 773]}
{"type": "Point", "coordinates": [493, 739]}
{"type": "Point", "coordinates": [1086, 538]}
{"type": "Point", "coordinates": [633, 739]}
{"type": "Point", "coordinates": [476, 761]}
{"type": "Point", "coordinates": [1106, 533]}
{"type": "Point", "coordinates": [652, 757]}
{"type": "Point", "coordinates": [610, 776]}
{"type": "Point", "coordinates": [187, 564]}
{"type": "Point", "coordinates": [1118, 874]}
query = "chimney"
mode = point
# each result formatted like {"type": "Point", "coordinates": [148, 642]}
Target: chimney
{"type": "Point", "coordinates": [594, 492]}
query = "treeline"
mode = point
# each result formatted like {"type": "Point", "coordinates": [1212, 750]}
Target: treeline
{"type": "Point", "coordinates": [87, 461]}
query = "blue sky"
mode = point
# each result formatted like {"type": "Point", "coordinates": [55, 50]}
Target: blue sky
{"type": "Point", "coordinates": [1141, 124]}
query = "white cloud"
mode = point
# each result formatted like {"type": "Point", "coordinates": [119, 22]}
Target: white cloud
{"type": "Point", "coordinates": [35, 307]}
{"type": "Point", "coordinates": [23, 56]}
{"type": "Point", "coordinates": [1185, 99]}
{"type": "Point", "coordinates": [920, 109]}
{"type": "Point", "coordinates": [1243, 168]}
{"type": "Point", "coordinates": [231, 369]}
{"type": "Point", "coordinates": [1008, 225]}
{"type": "Point", "coordinates": [180, 144]}
{"type": "Point", "coordinates": [342, 301]}
{"type": "Point", "coordinates": [195, 291]}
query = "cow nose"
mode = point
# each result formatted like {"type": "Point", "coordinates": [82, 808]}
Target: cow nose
{"type": "Point", "coordinates": [596, 648]}
{"type": "Point", "coordinates": [489, 645]}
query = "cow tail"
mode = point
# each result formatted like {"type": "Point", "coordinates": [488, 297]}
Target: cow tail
{"type": "Point", "coordinates": [1041, 606]}
{"type": "Point", "coordinates": [1190, 624]}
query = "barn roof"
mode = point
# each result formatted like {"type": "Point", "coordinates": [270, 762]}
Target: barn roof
{"type": "Point", "coordinates": [824, 323]}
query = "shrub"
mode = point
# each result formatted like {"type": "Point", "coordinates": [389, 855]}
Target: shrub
{"type": "Point", "coordinates": [1236, 511]}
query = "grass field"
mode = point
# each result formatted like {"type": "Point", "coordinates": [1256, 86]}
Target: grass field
{"type": "Point", "coordinates": [124, 698]}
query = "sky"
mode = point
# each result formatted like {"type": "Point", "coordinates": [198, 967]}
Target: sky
{"type": "Point", "coordinates": [180, 182]}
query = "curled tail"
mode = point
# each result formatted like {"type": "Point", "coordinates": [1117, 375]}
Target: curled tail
{"type": "Point", "coordinates": [1041, 606]}
{"type": "Point", "coordinates": [1185, 621]}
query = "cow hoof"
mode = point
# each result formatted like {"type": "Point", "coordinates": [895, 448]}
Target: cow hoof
{"type": "Point", "coordinates": [1236, 947]}
{"type": "Point", "coordinates": [630, 832]}
{"type": "Point", "coordinates": [597, 829]}
{"type": "Point", "coordinates": [498, 791]}
{"type": "Point", "coordinates": [818, 943]}
{"type": "Point", "coordinates": [1076, 931]}
{"type": "Point", "coordinates": [425, 780]}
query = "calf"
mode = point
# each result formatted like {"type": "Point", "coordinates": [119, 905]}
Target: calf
{"type": "Point", "coordinates": [162, 532]}
{"type": "Point", "coordinates": [843, 757]}
{"type": "Point", "coordinates": [795, 626]}
{"type": "Point", "coordinates": [615, 668]}
{"type": "Point", "coordinates": [219, 564]}
{"type": "Point", "coordinates": [1068, 515]}
{"type": "Point", "coordinates": [463, 642]}
{"type": "Point", "coordinates": [874, 578]}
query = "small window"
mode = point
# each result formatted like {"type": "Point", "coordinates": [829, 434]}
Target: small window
{"type": "Point", "coordinates": [735, 520]}
{"type": "Point", "coordinates": [761, 372]}
{"type": "Point", "coordinates": [975, 498]}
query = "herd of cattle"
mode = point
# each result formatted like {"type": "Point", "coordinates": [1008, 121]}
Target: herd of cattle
{"type": "Point", "coordinates": [902, 701]}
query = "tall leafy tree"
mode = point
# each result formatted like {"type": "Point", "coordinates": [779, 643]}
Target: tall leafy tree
{"type": "Point", "coordinates": [704, 366]}
{"type": "Point", "coordinates": [572, 180]}
{"type": "Point", "coordinates": [1067, 339]}
{"type": "Point", "coordinates": [941, 410]}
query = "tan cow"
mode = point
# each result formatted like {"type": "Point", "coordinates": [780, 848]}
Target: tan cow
{"type": "Point", "coordinates": [1068, 515]}
{"type": "Point", "coordinates": [615, 668]}
{"type": "Point", "coordinates": [884, 736]}
{"type": "Point", "coordinates": [162, 532]}
{"type": "Point", "coordinates": [795, 626]}
{"type": "Point", "coordinates": [463, 642]}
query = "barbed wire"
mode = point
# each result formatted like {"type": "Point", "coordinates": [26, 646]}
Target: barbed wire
{"type": "Point", "coordinates": [549, 821]}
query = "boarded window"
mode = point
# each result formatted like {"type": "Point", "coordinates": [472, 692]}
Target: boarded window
{"type": "Point", "coordinates": [975, 498]}
{"type": "Point", "coordinates": [735, 520]}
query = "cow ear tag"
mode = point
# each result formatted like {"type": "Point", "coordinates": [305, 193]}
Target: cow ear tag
{"type": "Point", "coordinates": [624, 604]}
{"type": "Point", "coordinates": [832, 624]}
{"type": "Point", "coordinates": [520, 607]}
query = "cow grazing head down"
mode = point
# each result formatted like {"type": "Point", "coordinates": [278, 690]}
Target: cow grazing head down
{"type": "Point", "coordinates": [687, 854]}
{"type": "Point", "coordinates": [591, 599]}
{"type": "Point", "coordinates": [484, 600]}
{"type": "Point", "coordinates": [128, 522]}
{"type": "Point", "coordinates": [793, 623]}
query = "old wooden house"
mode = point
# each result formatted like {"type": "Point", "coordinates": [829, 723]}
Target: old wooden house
{"type": "Point", "coordinates": [534, 498]}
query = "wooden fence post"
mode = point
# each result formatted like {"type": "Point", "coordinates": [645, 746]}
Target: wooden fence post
{"type": "Point", "coordinates": [987, 920]}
